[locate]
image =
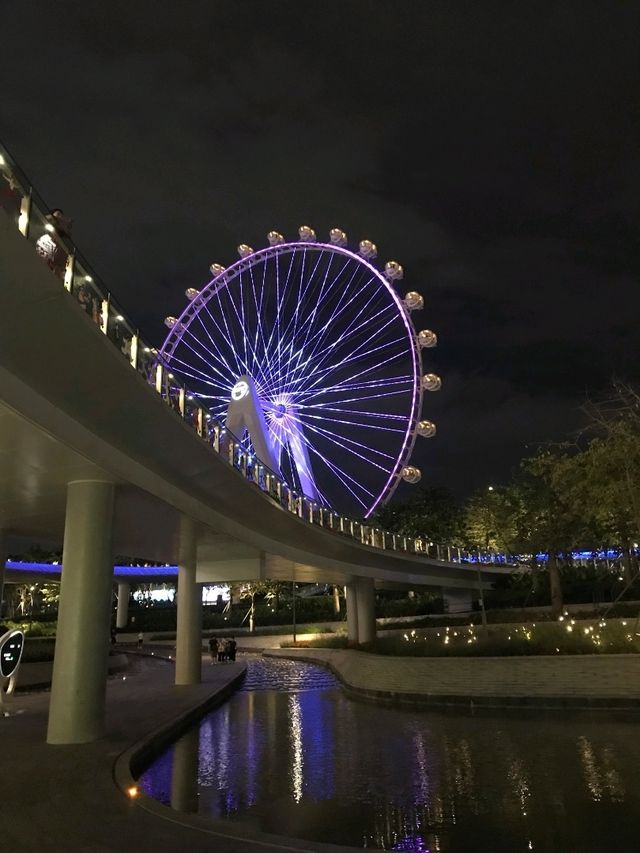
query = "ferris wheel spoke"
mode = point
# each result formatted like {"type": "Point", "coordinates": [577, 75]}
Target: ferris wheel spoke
{"type": "Point", "coordinates": [383, 416]}
{"type": "Point", "coordinates": [355, 357]}
{"type": "Point", "coordinates": [259, 332]}
{"type": "Point", "coordinates": [317, 303]}
{"type": "Point", "coordinates": [294, 319]}
{"type": "Point", "coordinates": [346, 386]}
{"type": "Point", "coordinates": [303, 285]}
{"type": "Point", "coordinates": [343, 290]}
{"type": "Point", "coordinates": [369, 334]}
{"type": "Point", "coordinates": [213, 352]}
{"type": "Point", "coordinates": [243, 324]}
{"type": "Point", "coordinates": [279, 302]}
{"type": "Point", "coordinates": [225, 335]}
{"type": "Point", "coordinates": [329, 398]}
{"type": "Point", "coordinates": [212, 367]}
{"type": "Point", "coordinates": [242, 364]}
{"type": "Point", "coordinates": [338, 309]}
{"type": "Point", "coordinates": [330, 323]}
{"type": "Point", "coordinates": [348, 446]}
{"type": "Point", "coordinates": [185, 369]}
{"type": "Point", "coordinates": [313, 418]}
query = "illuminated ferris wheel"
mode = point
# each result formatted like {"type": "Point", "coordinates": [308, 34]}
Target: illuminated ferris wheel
{"type": "Point", "coordinates": [309, 356]}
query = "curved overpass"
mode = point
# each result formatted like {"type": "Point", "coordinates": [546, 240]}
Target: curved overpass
{"type": "Point", "coordinates": [72, 407]}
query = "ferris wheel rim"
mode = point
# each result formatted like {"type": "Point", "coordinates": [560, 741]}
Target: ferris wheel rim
{"type": "Point", "coordinates": [233, 271]}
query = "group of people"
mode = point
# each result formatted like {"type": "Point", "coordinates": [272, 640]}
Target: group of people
{"type": "Point", "coordinates": [222, 649]}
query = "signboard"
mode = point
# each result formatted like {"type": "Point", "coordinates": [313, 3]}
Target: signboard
{"type": "Point", "coordinates": [11, 645]}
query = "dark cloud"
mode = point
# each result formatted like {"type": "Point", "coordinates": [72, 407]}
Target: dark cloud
{"type": "Point", "coordinates": [490, 147]}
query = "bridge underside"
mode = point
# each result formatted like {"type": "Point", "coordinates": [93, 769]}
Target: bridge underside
{"type": "Point", "coordinates": [35, 469]}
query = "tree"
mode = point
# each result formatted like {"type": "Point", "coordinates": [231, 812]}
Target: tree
{"type": "Point", "coordinates": [492, 519]}
{"type": "Point", "coordinates": [432, 513]}
{"type": "Point", "coordinates": [248, 591]}
{"type": "Point", "coordinates": [609, 492]}
{"type": "Point", "coordinates": [550, 520]}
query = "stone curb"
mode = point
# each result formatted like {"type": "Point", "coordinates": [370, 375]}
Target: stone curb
{"type": "Point", "coordinates": [462, 700]}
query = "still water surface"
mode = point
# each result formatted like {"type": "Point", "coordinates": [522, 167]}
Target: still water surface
{"type": "Point", "coordinates": [290, 754]}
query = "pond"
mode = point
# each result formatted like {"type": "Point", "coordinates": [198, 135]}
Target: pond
{"type": "Point", "coordinates": [291, 754]}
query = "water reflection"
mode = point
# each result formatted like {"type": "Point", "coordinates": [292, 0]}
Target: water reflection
{"type": "Point", "coordinates": [305, 761]}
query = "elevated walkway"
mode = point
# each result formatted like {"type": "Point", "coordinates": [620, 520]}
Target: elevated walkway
{"type": "Point", "coordinates": [72, 408]}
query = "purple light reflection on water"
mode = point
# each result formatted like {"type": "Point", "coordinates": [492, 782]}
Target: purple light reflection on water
{"type": "Point", "coordinates": [412, 845]}
{"type": "Point", "coordinates": [294, 756]}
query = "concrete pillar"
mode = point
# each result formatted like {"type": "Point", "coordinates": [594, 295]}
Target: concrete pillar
{"type": "Point", "coordinates": [122, 614]}
{"type": "Point", "coordinates": [352, 611]}
{"type": "Point", "coordinates": [365, 597]}
{"type": "Point", "coordinates": [189, 596]}
{"type": "Point", "coordinates": [457, 600]}
{"type": "Point", "coordinates": [3, 561]}
{"type": "Point", "coordinates": [76, 708]}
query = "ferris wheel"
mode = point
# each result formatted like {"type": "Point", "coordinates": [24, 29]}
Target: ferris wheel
{"type": "Point", "coordinates": [317, 343]}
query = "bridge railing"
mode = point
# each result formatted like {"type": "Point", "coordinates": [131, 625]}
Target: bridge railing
{"type": "Point", "coordinates": [49, 232]}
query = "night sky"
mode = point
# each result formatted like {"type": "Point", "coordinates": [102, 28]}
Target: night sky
{"type": "Point", "coordinates": [490, 147]}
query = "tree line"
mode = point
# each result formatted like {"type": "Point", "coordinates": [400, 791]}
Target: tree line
{"type": "Point", "coordinates": [582, 494]}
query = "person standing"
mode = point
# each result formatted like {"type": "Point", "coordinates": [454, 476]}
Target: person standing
{"type": "Point", "coordinates": [213, 649]}
{"type": "Point", "coordinates": [232, 645]}
{"type": "Point", "coordinates": [222, 650]}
